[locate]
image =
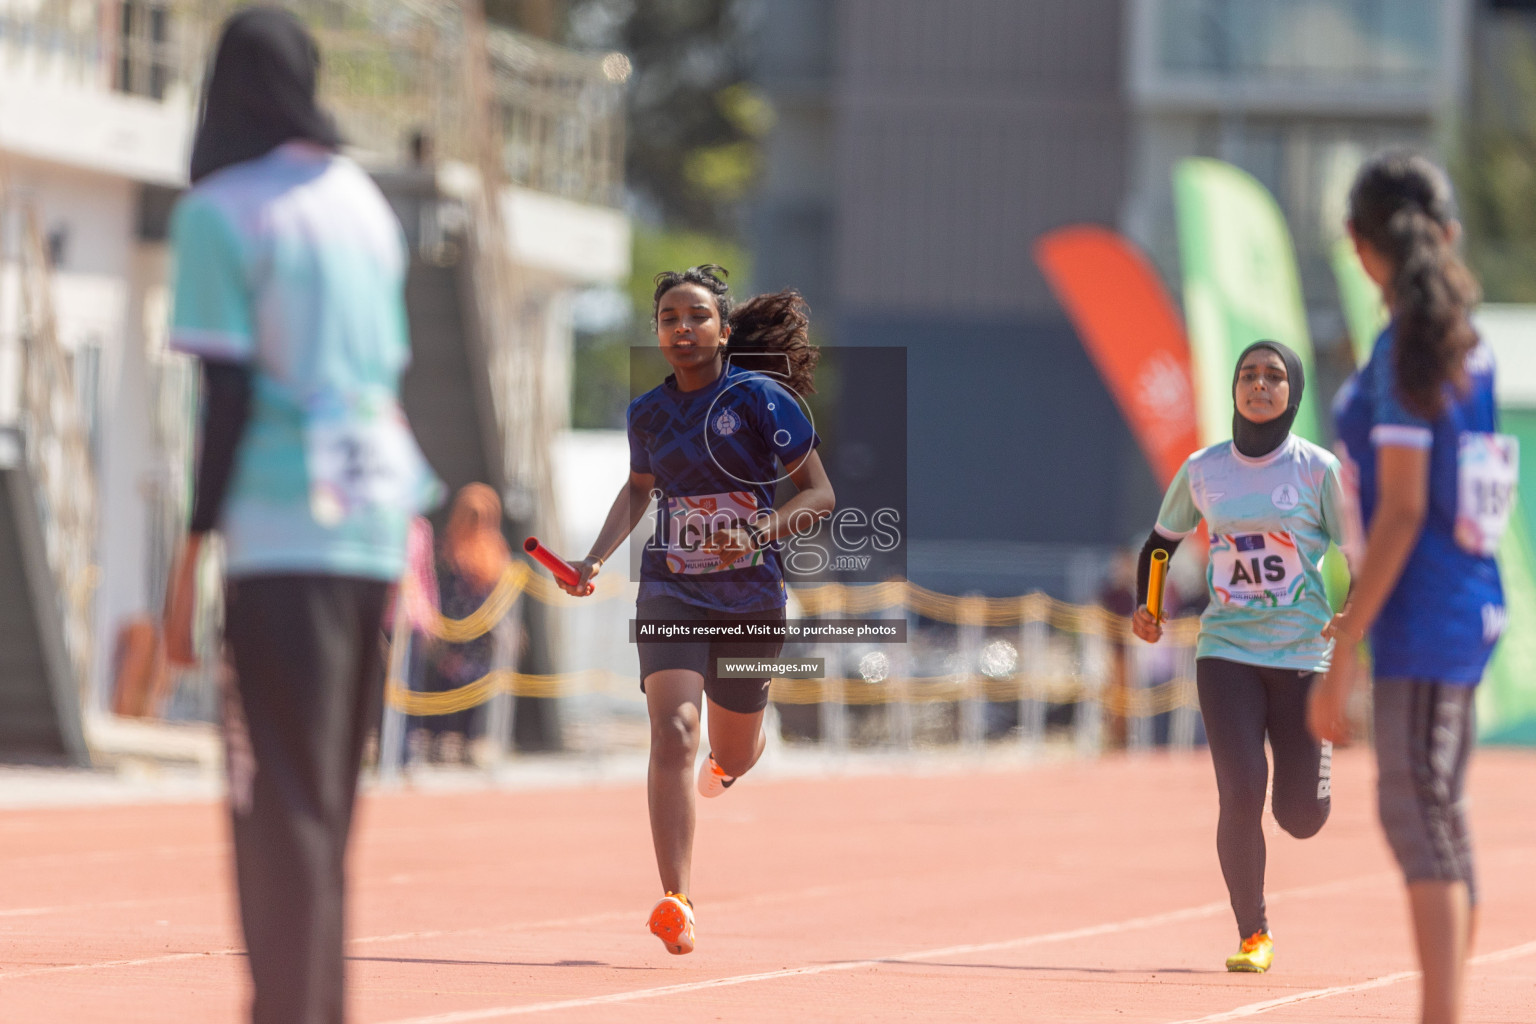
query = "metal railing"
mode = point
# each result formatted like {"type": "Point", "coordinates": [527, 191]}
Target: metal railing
{"type": "Point", "coordinates": [62, 38]}
{"type": "Point", "coordinates": [392, 68]}
{"type": "Point", "coordinates": [396, 69]}
{"type": "Point", "coordinates": [120, 45]}
{"type": "Point", "coordinates": [561, 118]}
{"type": "Point", "coordinates": [56, 451]}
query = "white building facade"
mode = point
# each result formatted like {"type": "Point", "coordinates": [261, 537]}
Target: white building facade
{"type": "Point", "coordinates": [97, 109]}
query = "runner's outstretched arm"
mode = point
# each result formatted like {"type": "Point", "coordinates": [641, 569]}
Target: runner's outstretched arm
{"type": "Point", "coordinates": [627, 509]}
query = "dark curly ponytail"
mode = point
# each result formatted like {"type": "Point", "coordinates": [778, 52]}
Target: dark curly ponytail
{"type": "Point", "coordinates": [1401, 205]}
{"type": "Point", "coordinates": [769, 333]}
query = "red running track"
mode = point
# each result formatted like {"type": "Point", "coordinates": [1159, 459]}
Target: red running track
{"type": "Point", "coordinates": [1070, 891]}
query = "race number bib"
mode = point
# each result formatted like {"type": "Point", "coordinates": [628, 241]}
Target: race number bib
{"type": "Point", "coordinates": [1487, 474]}
{"type": "Point", "coordinates": [1262, 569]}
{"type": "Point", "coordinates": [691, 521]}
{"type": "Point", "coordinates": [360, 455]}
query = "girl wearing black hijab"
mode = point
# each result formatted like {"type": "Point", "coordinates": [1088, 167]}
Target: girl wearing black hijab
{"type": "Point", "coordinates": [1272, 502]}
{"type": "Point", "coordinates": [289, 289]}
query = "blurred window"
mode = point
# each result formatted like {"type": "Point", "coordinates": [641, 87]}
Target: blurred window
{"type": "Point", "coordinates": [144, 61]}
{"type": "Point", "coordinates": [1343, 41]}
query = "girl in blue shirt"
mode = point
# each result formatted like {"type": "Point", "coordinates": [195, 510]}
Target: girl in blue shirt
{"type": "Point", "coordinates": [711, 444]}
{"type": "Point", "coordinates": [1417, 429]}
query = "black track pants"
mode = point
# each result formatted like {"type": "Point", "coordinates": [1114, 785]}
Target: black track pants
{"type": "Point", "coordinates": [1241, 704]}
{"type": "Point", "coordinates": [308, 669]}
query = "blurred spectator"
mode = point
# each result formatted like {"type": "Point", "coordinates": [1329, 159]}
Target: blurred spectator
{"type": "Point", "coordinates": [1117, 596]}
{"type": "Point", "coordinates": [1118, 593]}
{"type": "Point", "coordinates": [474, 558]}
{"type": "Point", "coordinates": [289, 289]}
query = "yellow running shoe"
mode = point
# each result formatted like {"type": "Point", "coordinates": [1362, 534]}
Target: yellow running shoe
{"type": "Point", "coordinates": [1255, 955]}
{"type": "Point", "coordinates": [672, 923]}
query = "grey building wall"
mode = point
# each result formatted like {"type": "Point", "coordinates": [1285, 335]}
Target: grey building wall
{"type": "Point", "coordinates": [965, 130]}
{"type": "Point", "coordinates": [792, 219]}
{"type": "Point", "coordinates": [1297, 93]}
{"type": "Point", "coordinates": [920, 150]}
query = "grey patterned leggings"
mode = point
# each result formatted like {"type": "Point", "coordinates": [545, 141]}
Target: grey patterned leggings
{"type": "Point", "coordinates": [1424, 736]}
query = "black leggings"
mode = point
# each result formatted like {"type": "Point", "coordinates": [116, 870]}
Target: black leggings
{"type": "Point", "coordinates": [1240, 705]}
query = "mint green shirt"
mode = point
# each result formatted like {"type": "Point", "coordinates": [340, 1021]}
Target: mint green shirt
{"type": "Point", "coordinates": [293, 264]}
{"type": "Point", "coordinates": [1270, 521]}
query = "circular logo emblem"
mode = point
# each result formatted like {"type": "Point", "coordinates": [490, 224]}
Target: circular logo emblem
{"type": "Point", "coordinates": [1285, 497]}
{"type": "Point", "coordinates": [726, 423]}
{"type": "Point", "coordinates": [719, 414]}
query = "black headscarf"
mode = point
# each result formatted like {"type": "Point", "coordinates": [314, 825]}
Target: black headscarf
{"type": "Point", "coordinates": [1256, 440]}
{"type": "Point", "coordinates": [261, 91]}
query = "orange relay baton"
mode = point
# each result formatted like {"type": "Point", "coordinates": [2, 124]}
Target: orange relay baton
{"type": "Point", "coordinates": [1157, 578]}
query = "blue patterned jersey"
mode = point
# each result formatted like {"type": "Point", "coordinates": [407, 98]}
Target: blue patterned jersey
{"type": "Point", "coordinates": [1447, 610]}
{"type": "Point", "coordinates": [718, 454]}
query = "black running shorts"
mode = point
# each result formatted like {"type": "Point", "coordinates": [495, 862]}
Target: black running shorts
{"type": "Point", "coordinates": [746, 696]}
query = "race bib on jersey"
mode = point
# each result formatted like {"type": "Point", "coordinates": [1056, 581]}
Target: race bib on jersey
{"type": "Point", "coordinates": [1487, 475]}
{"type": "Point", "coordinates": [1263, 569]}
{"type": "Point", "coordinates": [691, 521]}
{"type": "Point", "coordinates": [360, 455]}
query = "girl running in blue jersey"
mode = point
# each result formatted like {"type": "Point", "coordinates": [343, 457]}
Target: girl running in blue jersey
{"type": "Point", "coordinates": [711, 444]}
{"type": "Point", "coordinates": [1272, 502]}
{"type": "Point", "coordinates": [1418, 431]}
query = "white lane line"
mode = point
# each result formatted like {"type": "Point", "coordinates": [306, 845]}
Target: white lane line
{"type": "Point", "coordinates": [67, 968]}
{"type": "Point", "coordinates": [1498, 956]}
{"type": "Point", "coordinates": [1188, 913]}
{"type": "Point", "coordinates": [1091, 931]}
{"type": "Point", "coordinates": [1254, 1009]}
{"type": "Point", "coordinates": [492, 1013]}
{"type": "Point", "coordinates": [78, 908]}
{"type": "Point", "coordinates": [560, 922]}
{"type": "Point", "coordinates": [1301, 997]}
{"type": "Point", "coordinates": [602, 917]}
{"type": "Point", "coordinates": [77, 857]}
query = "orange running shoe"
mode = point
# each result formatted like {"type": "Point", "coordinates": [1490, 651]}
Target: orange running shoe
{"type": "Point", "coordinates": [1255, 954]}
{"type": "Point", "coordinates": [672, 923]}
{"type": "Point", "coordinates": [712, 778]}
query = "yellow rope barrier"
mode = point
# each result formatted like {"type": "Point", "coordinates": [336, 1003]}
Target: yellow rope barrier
{"type": "Point", "coordinates": [833, 598]}
{"type": "Point", "coordinates": [483, 619]}
{"type": "Point", "coordinates": [499, 681]}
{"type": "Point", "coordinates": [1127, 703]}
{"type": "Point", "coordinates": [864, 599]}
{"type": "Point", "coordinates": [981, 611]}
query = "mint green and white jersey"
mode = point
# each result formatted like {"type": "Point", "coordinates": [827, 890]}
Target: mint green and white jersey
{"type": "Point", "coordinates": [1270, 521]}
{"type": "Point", "coordinates": [294, 265]}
